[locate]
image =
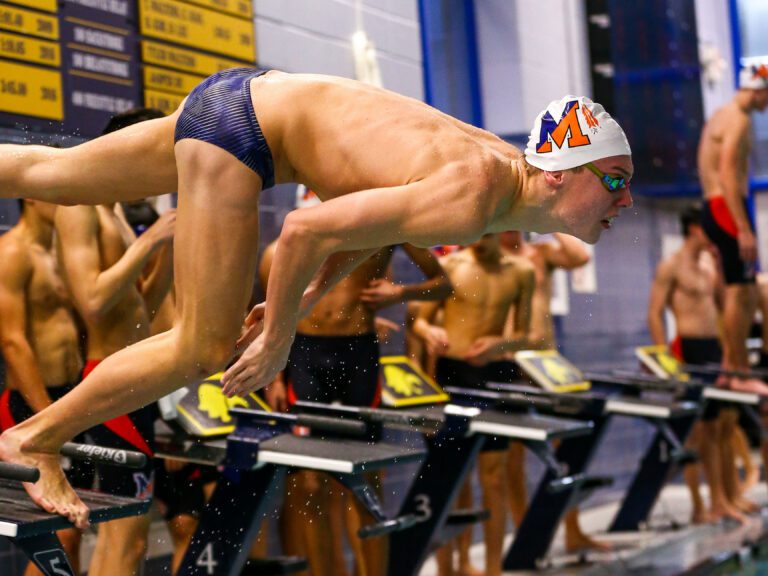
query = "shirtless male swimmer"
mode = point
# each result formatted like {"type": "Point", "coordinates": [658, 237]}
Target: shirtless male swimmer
{"type": "Point", "coordinates": [441, 181]}
{"type": "Point", "coordinates": [723, 162]}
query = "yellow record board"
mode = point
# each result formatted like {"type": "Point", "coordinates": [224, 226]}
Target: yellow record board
{"type": "Point", "coordinates": [242, 8]}
{"type": "Point", "coordinates": [31, 91]}
{"type": "Point", "coordinates": [29, 49]}
{"type": "Point", "coordinates": [185, 60]}
{"type": "Point", "coordinates": [47, 5]}
{"type": "Point", "coordinates": [74, 61]}
{"type": "Point", "coordinates": [166, 102]}
{"type": "Point", "coordinates": [660, 361]}
{"type": "Point", "coordinates": [197, 27]}
{"type": "Point", "coordinates": [405, 384]}
{"type": "Point", "coordinates": [28, 22]}
{"type": "Point", "coordinates": [550, 370]}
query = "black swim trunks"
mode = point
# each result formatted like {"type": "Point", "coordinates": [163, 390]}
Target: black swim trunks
{"type": "Point", "coordinates": [14, 410]}
{"type": "Point", "coordinates": [219, 110]}
{"type": "Point", "coordinates": [182, 491]}
{"type": "Point", "coordinates": [452, 372]}
{"type": "Point", "coordinates": [134, 431]}
{"type": "Point", "coordinates": [334, 369]}
{"type": "Point", "coordinates": [721, 229]}
{"type": "Point", "coordinates": [703, 351]}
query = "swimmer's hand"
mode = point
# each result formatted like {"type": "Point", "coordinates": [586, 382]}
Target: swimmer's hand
{"type": "Point", "coordinates": [384, 327]}
{"type": "Point", "coordinates": [257, 367]}
{"type": "Point", "coordinates": [381, 293]}
{"type": "Point", "coordinates": [747, 246]}
{"type": "Point", "coordinates": [484, 350]}
{"type": "Point", "coordinates": [162, 231]}
{"type": "Point", "coordinates": [276, 396]}
{"type": "Point", "coordinates": [436, 339]}
{"type": "Point", "coordinates": [252, 327]}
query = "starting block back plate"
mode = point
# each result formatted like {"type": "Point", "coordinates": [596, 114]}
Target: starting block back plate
{"type": "Point", "coordinates": [336, 455]}
{"type": "Point", "coordinates": [527, 426]}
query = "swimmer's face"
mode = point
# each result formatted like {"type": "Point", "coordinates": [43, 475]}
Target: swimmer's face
{"type": "Point", "coordinates": [586, 207]}
{"type": "Point", "coordinates": [760, 99]}
{"type": "Point", "coordinates": [698, 236]}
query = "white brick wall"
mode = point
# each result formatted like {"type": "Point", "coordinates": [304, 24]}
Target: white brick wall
{"type": "Point", "coordinates": [713, 27]}
{"type": "Point", "coordinates": [315, 36]}
{"type": "Point", "coordinates": [531, 52]}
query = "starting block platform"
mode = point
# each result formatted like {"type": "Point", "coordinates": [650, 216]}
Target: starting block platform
{"type": "Point", "coordinates": [22, 518]}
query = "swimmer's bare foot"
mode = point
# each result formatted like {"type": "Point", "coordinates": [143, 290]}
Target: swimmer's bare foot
{"type": "Point", "coordinates": [746, 505]}
{"type": "Point", "coordinates": [578, 543]}
{"type": "Point", "coordinates": [469, 570]}
{"type": "Point", "coordinates": [52, 492]}
{"type": "Point", "coordinates": [749, 385]}
{"type": "Point", "coordinates": [699, 517]}
{"type": "Point", "coordinates": [727, 511]}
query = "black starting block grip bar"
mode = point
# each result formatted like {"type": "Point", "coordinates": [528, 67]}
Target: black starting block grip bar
{"type": "Point", "coordinates": [651, 380]}
{"type": "Point", "coordinates": [318, 423]}
{"type": "Point", "coordinates": [19, 472]}
{"type": "Point", "coordinates": [389, 526]}
{"type": "Point", "coordinates": [104, 455]}
{"type": "Point", "coordinates": [760, 373]}
{"type": "Point", "coordinates": [331, 424]}
{"type": "Point", "coordinates": [374, 415]}
{"type": "Point", "coordinates": [636, 381]}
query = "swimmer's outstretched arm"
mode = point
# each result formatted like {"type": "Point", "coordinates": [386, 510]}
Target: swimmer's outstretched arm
{"type": "Point", "coordinates": [333, 269]}
{"type": "Point", "coordinates": [446, 207]}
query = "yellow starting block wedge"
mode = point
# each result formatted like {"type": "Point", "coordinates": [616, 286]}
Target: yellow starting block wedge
{"type": "Point", "coordinates": [660, 361]}
{"type": "Point", "coordinates": [204, 411]}
{"type": "Point", "coordinates": [404, 384]}
{"type": "Point", "coordinates": [550, 370]}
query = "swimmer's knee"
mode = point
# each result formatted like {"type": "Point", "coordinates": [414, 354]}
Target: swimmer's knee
{"type": "Point", "coordinates": [199, 358]}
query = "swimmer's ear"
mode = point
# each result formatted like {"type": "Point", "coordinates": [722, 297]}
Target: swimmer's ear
{"type": "Point", "coordinates": [555, 178]}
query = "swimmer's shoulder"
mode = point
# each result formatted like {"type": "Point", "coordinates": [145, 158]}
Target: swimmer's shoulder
{"type": "Point", "coordinates": [15, 255]}
{"type": "Point", "coordinates": [515, 264]}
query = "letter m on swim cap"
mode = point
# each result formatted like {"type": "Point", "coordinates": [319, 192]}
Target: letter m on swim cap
{"type": "Point", "coordinates": [557, 132]}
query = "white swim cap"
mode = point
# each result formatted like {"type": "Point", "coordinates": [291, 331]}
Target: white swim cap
{"type": "Point", "coordinates": [754, 77]}
{"type": "Point", "coordinates": [573, 131]}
